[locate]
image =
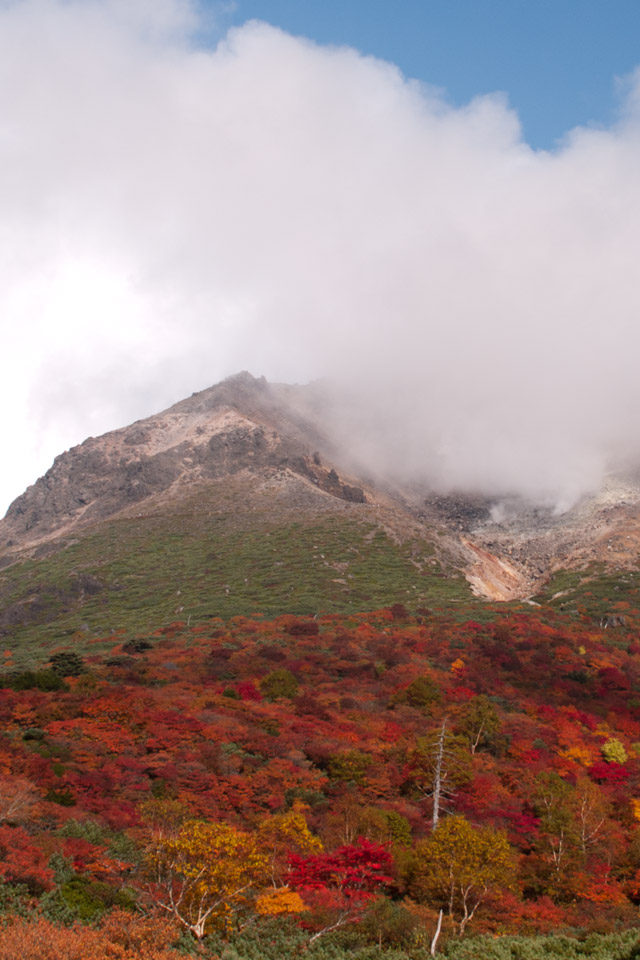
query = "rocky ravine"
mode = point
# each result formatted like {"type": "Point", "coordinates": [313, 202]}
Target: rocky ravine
{"type": "Point", "coordinates": [515, 545]}
{"type": "Point", "coordinates": [247, 427]}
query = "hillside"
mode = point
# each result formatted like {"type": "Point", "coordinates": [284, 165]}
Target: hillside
{"type": "Point", "coordinates": [334, 724]}
{"type": "Point", "coordinates": [237, 500]}
{"type": "Point", "coordinates": [215, 615]}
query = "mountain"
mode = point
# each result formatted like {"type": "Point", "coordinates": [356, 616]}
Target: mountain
{"type": "Point", "coordinates": [241, 425]}
{"type": "Point", "coordinates": [215, 613]}
{"type": "Point", "coordinates": [239, 499]}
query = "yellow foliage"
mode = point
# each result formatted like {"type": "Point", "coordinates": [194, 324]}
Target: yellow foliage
{"type": "Point", "coordinates": [459, 864]}
{"type": "Point", "coordinates": [290, 830]}
{"type": "Point", "coordinates": [286, 833]}
{"type": "Point", "coordinates": [635, 808]}
{"type": "Point", "coordinates": [206, 873]}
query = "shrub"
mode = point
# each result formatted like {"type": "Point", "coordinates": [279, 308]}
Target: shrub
{"type": "Point", "coordinates": [67, 664]}
{"type": "Point", "coordinates": [303, 628]}
{"type": "Point", "coordinates": [349, 765]}
{"type": "Point", "coordinates": [613, 751]}
{"type": "Point", "coordinates": [279, 684]}
{"type": "Point", "coordinates": [45, 680]}
{"type": "Point", "coordinates": [422, 693]}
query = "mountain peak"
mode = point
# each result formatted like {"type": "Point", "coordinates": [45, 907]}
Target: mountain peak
{"type": "Point", "coordinates": [255, 447]}
{"type": "Point", "coordinates": [243, 424]}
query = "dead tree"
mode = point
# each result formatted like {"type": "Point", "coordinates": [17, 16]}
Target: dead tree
{"type": "Point", "coordinates": [438, 766]}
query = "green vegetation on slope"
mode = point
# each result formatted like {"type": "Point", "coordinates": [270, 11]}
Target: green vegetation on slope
{"type": "Point", "coordinates": [593, 591]}
{"type": "Point", "coordinates": [134, 574]}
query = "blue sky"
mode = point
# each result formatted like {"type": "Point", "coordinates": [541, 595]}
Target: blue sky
{"type": "Point", "coordinates": [557, 60]}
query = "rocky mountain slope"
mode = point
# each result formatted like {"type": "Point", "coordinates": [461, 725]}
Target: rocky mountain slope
{"type": "Point", "coordinates": [240, 425]}
{"type": "Point", "coordinates": [260, 451]}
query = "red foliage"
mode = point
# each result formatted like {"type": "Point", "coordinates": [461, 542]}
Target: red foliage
{"type": "Point", "coordinates": [603, 772]}
{"type": "Point", "coordinates": [357, 870]}
{"type": "Point", "coordinates": [247, 690]}
{"type": "Point", "coordinates": [21, 861]}
{"type": "Point", "coordinates": [111, 746]}
{"type": "Point", "coordinates": [303, 628]}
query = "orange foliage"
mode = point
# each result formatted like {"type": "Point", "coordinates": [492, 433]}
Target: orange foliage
{"type": "Point", "coordinates": [122, 937]}
{"type": "Point", "coordinates": [276, 902]}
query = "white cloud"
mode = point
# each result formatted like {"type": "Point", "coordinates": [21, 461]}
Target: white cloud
{"type": "Point", "coordinates": [169, 215]}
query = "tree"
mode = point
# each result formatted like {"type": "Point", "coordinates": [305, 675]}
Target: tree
{"type": "Point", "coordinates": [478, 722]}
{"type": "Point", "coordinates": [592, 809]}
{"type": "Point", "coordinates": [340, 884]}
{"type": "Point", "coordinates": [422, 693]}
{"type": "Point", "coordinates": [571, 822]}
{"type": "Point", "coordinates": [349, 819]}
{"type": "Point", "coordinates": [613, 751]}
{"type": "Point", "coordinates": [283, 834]}
{"type": "Point", "coordinates": [18, 798]}
{"type": "Point", "coordinates": [349, 765]}
{"type": "Point", "coordinates": [437, 766]}
{"type": "Point", "coordinates": [459, 866]}
{"type": "Point", "coordinates": [206, 874]}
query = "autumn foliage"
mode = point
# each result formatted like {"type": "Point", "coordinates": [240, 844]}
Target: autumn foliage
{"type": "Point", "coordinates": [214, 777]}
{"type": "Point", "coordinates": [122, 937]}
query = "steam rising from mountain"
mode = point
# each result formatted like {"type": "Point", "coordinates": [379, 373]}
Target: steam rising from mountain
{"type": "Point", "coordinates": [170, 214]}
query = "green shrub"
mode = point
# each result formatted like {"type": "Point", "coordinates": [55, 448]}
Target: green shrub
{"type": "Point", "coordinates": [62, 796]}
{"type": "Point", "coordinates": [33, 734]}
{"type": "Point", "coordinates": [45, 680]}
{"type": "Point", "coordinates": [279, 684]}
{"type": "Point", "coordinates": [422, 693]}
{"type": "Point", "coordinates": [67, 664]}
{"type": "Point", "coordinates": [616, 946]}
{"type": "Point", "coordinates": [349, 765]}
{"type": "Point", "coordinates": [87, 830]}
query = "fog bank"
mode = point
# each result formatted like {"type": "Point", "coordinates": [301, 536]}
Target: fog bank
{"type": "Point", "coordinates": [171, 214]}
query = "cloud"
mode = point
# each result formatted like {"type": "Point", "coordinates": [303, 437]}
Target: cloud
{"type": "Point", "coordinates": [170, 214]}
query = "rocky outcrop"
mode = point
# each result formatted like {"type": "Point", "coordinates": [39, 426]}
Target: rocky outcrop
{"type": "Point", "coordinates": [242, 424]}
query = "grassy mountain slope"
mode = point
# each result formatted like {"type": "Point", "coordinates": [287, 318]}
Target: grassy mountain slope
{"type": "Point", "coordinates": [199, 560]}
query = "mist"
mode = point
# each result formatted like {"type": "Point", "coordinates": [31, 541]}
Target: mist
{"type": "Point", "coordinates": [172, 213]}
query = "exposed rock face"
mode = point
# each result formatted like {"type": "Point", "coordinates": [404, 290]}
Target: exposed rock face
{"type": "Point", "coordinates": [514, 545]}
{"type": "Point", "coordinates": [272, 436]}
{"type": "Point", "coordinates": [241, 424]}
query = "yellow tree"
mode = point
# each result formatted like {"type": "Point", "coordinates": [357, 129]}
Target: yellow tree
{"type": "Point", "coordinates": [458, 867]}
{"type": "Point", "coordinates": [206, 874]}
{"type": "Point", "coordinates": [286, 833]}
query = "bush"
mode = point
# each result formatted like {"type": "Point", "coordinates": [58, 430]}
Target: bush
{"type": "Point", "coordinates": [303, 628]}
{"type": "Point", "coordinates": [45, 680]}
{"type": "Point", "coordinates": [67, 664]}
{"type": "Point", "coordinates": [613, 751]}
{"type": "Point", "coordinates": [349, 765]}
{"type": "Point", "coordinates": [279, 684]}
{"type": "Point", "coordinates": [389, 923]}
{"type": "Point", "coordinates": [595, 947]}
{"type": "Point", "coordinates": [422, 693]}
